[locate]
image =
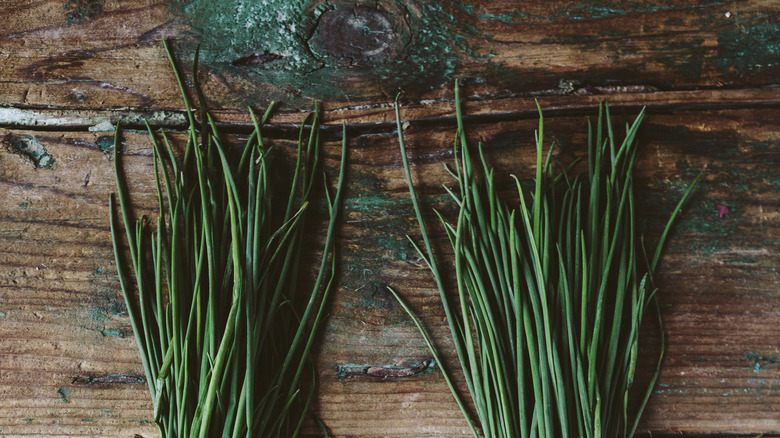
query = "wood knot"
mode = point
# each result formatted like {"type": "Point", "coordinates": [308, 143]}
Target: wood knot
{"type": "Point", "coordinates": [355, 36]}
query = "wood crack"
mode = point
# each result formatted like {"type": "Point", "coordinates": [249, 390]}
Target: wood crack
{"type": "Point", "coordinates": [383, 371]}
{"type": "Point", "coordinates": [381, 119]}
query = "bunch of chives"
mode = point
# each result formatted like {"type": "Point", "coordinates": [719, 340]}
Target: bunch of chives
{"type": "Point", "coordinates": [223, 320]}
{"type": "Point", "coordinates": [551, 292]}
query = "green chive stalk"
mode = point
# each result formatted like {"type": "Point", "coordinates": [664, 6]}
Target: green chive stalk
{"type": "Point", "coordinates": [224, 324]}
{"type": "Point", "coordinates": [552, 290]}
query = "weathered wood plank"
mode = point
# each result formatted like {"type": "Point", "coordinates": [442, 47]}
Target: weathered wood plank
{"type": "Point", "coordinates": [68, 361]}
{"type": "Point", "coordinates": [102, 54]}
{"type": "Point", "coordinates": [86, 53]}
{"type": "Point", "coordinates": [713, 264]}
{"type": "Point", "coordinates": [380, 116]}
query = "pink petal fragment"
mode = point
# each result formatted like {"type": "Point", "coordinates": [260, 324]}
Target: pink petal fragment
{"type": "Point", "coordinates": [722, 210]}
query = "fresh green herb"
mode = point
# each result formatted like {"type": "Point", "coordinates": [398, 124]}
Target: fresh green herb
{"type": "Point", "coordinates": [223, 320]}
{"type": "Point", "coordinates": [551, 293]}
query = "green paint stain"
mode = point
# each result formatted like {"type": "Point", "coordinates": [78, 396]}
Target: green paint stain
{"type": "Point", "coordinates": [599, 10]}
{"type": "Point", "coordinates": [379, 241]}
{"type": "Point", "coordinates": [27, 420]}
{"type": "Point", "coordinates": [370, 202]}
{"type": "Point", "coordinates": [419, 43]}
{"type": "Point", "coordinates": [101, 312]}
{"type": "Point", "coordinates": [747, 50]}
{"type": "Point", "coordinates": [87, 420]}
{"type": "Point", "coordinates": [113, 332]}
{"type": "Point", "coordinates": [81, 11]}
{"type": "Point", "coordinates": [756, 381]}
{"type": "Point", "coordinates": [105, 143]}
{"type": "Point", "coordinates": [23, 205]}
{"type": "Point", "coordinates": [508, 18]}
{"type": "Point", "coordinates": [64, 394]}
{"type": "Point", "coordinates": [142, 422]}
{"type": "Point", "coordinates": [30, 147]}
{"type": "Point", "coordinates": [590, 10]}
{"type": "Point", "coordinates": [379, 213]}
{"type": "Point", "coordinates": [759, 360]}
{"type": "Point", "coordinates": [235, 28]}
{"type": "Point", "coordinates": [111, 304]}
{"type": "Point", "coordinates": [431, 56]}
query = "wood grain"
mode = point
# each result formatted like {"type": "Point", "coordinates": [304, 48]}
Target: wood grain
{"type": "Point", "coordinates": [69, 364]}
{"type": "Point", "coordinates": [707, 71]}
{"type": "Point", "coordinates": [69, 361]}
{"type": "Point", "coordinates": [107, 53]}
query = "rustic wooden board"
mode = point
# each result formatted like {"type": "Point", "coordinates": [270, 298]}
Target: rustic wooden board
{"type": "Point", "coordinates": [381, 116]}
{"type": "Point", "coordinates": [107, 53]}
{"type": "Point", "coordinates": [70, 70]}
{"type": "Point", "coordinates": [69, 365]}
{"type": "Point", "coordinates": [69, 362]}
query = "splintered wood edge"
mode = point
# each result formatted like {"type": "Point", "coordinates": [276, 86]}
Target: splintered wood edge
{"type": "Point", "coordinates": [381, 116]}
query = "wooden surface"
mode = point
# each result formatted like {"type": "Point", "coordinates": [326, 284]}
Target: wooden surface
{"type": "Point", "coordinates": [707, 71]}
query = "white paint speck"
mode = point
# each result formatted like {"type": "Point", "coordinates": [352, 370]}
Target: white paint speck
{"type": "Point", "coordinates": [105, 125]}
{"type": "Point", "coordinates": [23, 117]}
